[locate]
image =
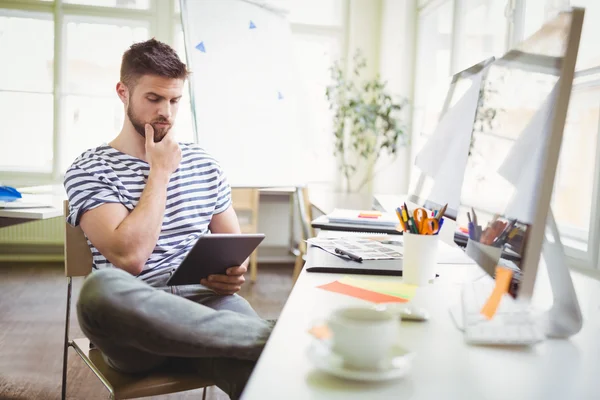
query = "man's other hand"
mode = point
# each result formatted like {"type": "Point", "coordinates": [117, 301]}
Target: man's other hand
{"type": "Point", "coordinates": [227, 284]}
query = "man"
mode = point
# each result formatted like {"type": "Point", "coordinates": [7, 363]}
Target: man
{"type": "Point", "coordinates": [143, 200]}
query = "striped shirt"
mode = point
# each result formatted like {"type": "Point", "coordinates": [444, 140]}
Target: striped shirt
{"type": "Point", "coordinates": [197, 190]}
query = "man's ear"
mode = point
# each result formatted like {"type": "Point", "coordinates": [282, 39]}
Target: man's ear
{"type": "Point", "coordinates": [123, 92]}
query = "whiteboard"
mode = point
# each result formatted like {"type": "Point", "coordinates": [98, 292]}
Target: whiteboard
{"type": "Point", "coordinates": [242, 89]}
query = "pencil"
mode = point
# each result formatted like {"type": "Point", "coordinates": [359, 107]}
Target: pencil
{"type": "Point", "coordinates": [399, 215]}
{"type": "Point", "coordinates": [441, 213]}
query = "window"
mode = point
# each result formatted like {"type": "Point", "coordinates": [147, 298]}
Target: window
{"type": "Point", "coordinates": [93, 112]}
{"type": "Point", "coordinates": [46, 123]}
{"type": "Point", "coordinates": [184, 126]}
{"type": "Point", "coordinates": [26, 79]}
{"type": "Point", "coordinates": [434, 44]}
{"type": "Point", "coordinates": [589, 55]}
{"type": "Point", "coordinates": [141, 4]}
{"type": "Point", "coordinates": [575, 176]}
{"type": "Point", "coordinates": [481, 32]}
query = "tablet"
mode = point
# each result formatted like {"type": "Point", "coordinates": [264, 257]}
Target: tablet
{"type": "Point", "coordinates": [213, 254]}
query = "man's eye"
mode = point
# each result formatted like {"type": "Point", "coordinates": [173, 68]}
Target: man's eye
{"type": "Point", "coordinates": [152, 100]}
{"type": "Point", "coordinates": [174, 101]}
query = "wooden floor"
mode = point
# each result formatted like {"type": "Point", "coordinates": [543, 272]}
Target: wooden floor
{"type": "Point", "coordinates": [32, 318]}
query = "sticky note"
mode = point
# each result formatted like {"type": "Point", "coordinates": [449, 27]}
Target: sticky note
{"type": "Point", "coordinates": [369, 214]}
{"type": "Point", "coordinates": [368, 295]}
{"type": "Point", "coordinates": [320, 331]}
{"type": "Point", "coordinates": [200, 46]}
{"type": "Point", "coordinates": [391, 288]}
{"type": "Point", "coordinates": [503, 277]}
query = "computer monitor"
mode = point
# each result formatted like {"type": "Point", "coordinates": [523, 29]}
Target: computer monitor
{"type": "Point", "coordinates": [515, 145]}
{"type": "Point", "coordinates": [442, 146]}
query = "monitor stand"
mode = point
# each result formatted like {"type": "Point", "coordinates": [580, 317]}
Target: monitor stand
{"type": "Point", "coordinates": [564, 319]}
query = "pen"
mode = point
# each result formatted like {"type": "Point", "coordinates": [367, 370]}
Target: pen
{"type": "Point", "coordinates": [352, 256]}
{"type": "Point", "coordinates": [399, 215]}
{"type": "Point", "coordinates": [472, 232]}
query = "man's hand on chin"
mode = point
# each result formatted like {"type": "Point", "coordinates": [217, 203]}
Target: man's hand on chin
{"type": "Point", "coordinates": [227, 284]}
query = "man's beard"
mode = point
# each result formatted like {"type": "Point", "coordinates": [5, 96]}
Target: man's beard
{"type": "Point", "coordinates": [140, 127]}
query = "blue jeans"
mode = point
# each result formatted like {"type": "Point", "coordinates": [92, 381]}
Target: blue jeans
{"type": "Point", "coordinates": [139, 326]}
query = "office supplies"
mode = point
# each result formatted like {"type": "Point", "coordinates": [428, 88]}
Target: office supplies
{"type": "Point", "coordinates": [213, 254]}
{"type": "Point", "coordinates": [324, 224]}
{"type": "Point", "coordinates": [441, 213]}
{"type": "Point", "coordinates": [399, 215]}
{"type": "Point", "coordinates": [383, 285]}
{"type": "Point", "coordinates": [359, 248]}
{"type": "Point", "coordinates": [8, 194]}
{"type": "Point", "coordinates": [420, 258]}
{"type": "Point", "coordinates": [346, 216]}
{"type": "Point", "coordinates": [425, 225]}
{"type": "Point", "coordinates": [513, 323]}
{"type": "Point", "coordinates": [360, 293]}
{"type": "Point", "coordinates": [503, 276]}
{"type": "Point", "coordinates": [348, 254]}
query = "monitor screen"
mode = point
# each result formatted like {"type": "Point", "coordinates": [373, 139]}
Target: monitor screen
{"type": "Point", "coordinates": [442, 145]}
{"type": "Point", "coordinates": [506, 166]}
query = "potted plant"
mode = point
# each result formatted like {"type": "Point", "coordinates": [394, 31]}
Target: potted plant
{"type": "Point", "coordinates": [366, 123]}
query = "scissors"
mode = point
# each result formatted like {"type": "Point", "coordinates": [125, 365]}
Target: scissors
{"type": "Point", "coordinates": [425, 225]}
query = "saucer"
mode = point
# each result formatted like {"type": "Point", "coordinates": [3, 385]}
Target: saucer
{"type": "Point", "coordinates": [397, 364]}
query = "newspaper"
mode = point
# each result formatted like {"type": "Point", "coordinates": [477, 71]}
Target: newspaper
{"type": "Point", "coordinates": [365, 248]}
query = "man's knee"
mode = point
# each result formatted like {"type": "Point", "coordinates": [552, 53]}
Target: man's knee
{"type": "Point", "coordinates": [98, 292]}
{"type": "Point", "coordinates": [233, 303]}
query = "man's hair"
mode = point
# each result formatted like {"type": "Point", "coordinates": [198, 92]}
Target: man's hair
{"type": "Point", "coordinates": [151, 58]}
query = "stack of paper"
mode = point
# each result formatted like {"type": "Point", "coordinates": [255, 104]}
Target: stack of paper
{"type": "Point", "coordinates": [374, 218]}
{"type": "Point", "coordinates": [364, 248]}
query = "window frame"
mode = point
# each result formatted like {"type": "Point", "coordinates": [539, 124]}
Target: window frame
{"type": "Point", "coordinates": [159, 18]}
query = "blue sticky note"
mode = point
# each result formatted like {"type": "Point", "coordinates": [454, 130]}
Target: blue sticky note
{"type": "Point", "coordinates": [200, 47]}
{"type": "Point", "coordinates": [252, 26]}
{"type": "Point", "coordinates": [279, 95]}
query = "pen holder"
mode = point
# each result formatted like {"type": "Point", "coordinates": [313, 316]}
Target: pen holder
{"type": "Point", "coordinates": [420, 258]}
{"type": "Point", "coordinates": [487, 257]}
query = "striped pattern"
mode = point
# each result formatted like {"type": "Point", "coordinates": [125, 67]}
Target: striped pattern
{"type": "Point", "coordinates": [197, 190]}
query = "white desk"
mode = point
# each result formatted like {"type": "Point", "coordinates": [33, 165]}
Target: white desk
{"type": "Point", "coordinates": [445, 367]}
{"type": "Point", "coordinates": [51, 195]}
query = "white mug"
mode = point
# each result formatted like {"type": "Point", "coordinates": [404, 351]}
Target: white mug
{"type": "Point", "coordinates": [363, 336]}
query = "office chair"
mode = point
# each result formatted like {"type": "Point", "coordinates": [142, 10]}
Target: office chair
{"type": "Point", "coordinates": [78, 262]}
{"type": "Point", "coordinates": [305, 211]}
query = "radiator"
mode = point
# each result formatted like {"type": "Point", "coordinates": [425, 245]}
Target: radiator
{"type": "Point", "coordinates": [33, 241]}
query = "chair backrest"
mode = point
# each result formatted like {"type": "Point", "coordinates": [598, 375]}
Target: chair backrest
{"type": "Point", "coordinates": [245, 204]}
{"type": "Point", "coordinates": [78, 257]}
{"type": "Point", "coordinates": [305, 211]}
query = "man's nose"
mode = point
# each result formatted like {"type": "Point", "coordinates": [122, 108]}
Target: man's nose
{"type": "Point", "coordinates": [166, 110]}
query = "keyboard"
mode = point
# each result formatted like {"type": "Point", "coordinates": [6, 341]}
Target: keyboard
{"type": "Point", "coordinates": [513, 323]}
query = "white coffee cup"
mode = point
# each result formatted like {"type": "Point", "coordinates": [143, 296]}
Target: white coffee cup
{"type": "Point", "coordinates": [363, 336]}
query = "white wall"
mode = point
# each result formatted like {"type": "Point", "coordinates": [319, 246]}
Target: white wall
{"type": "Point", "coordinates": [384, 30]}
{"type": "Point", "coordinates": [396, 66]}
